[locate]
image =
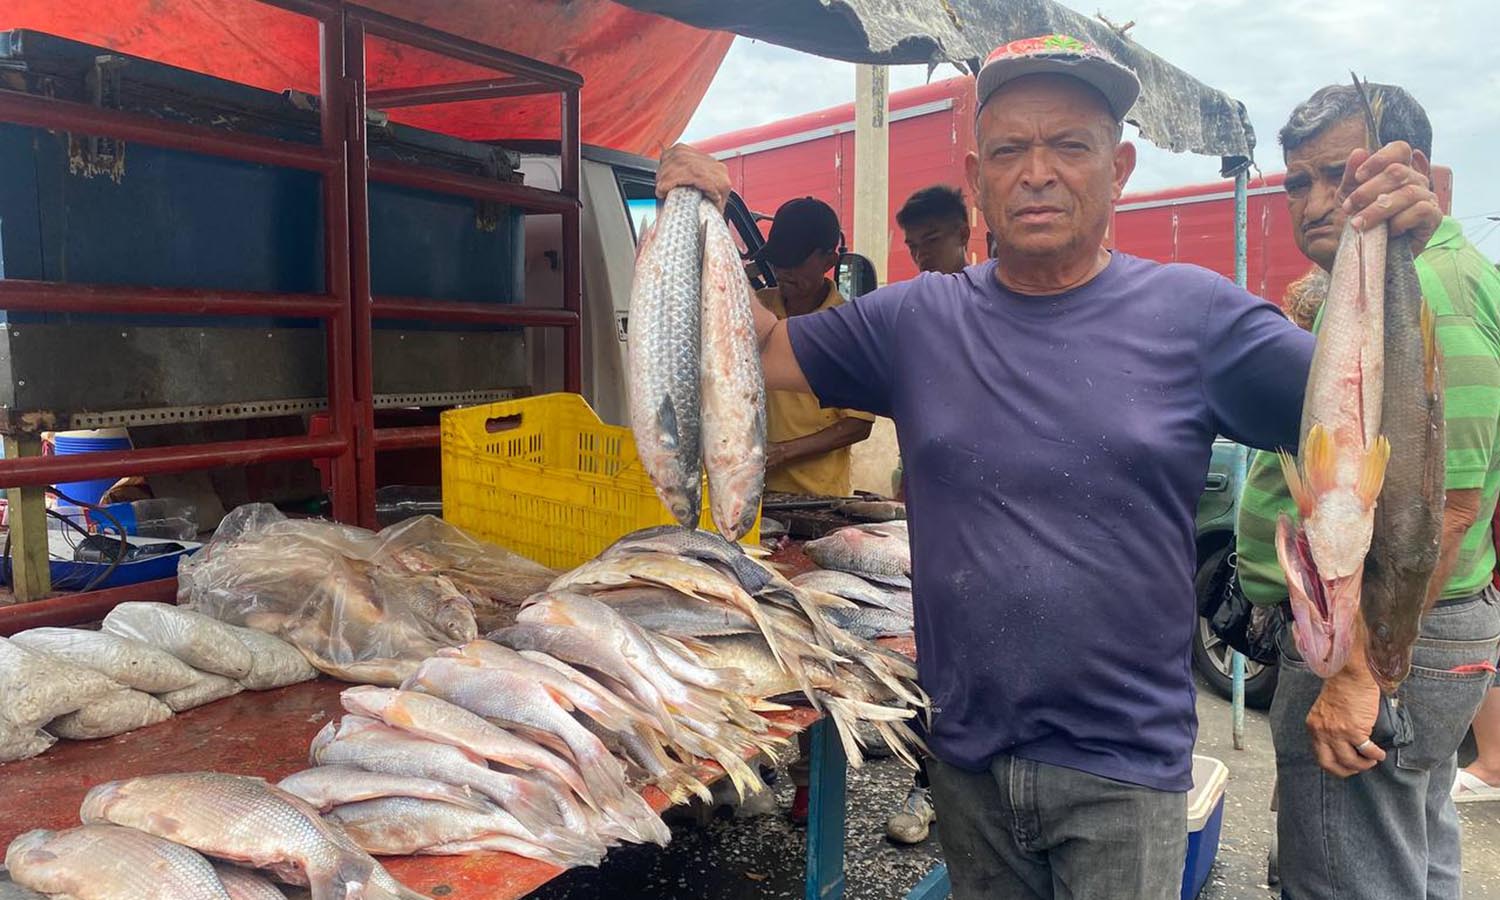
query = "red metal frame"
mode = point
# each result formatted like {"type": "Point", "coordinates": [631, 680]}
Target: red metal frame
{"type": "Point", "coordinates": [347, 309]}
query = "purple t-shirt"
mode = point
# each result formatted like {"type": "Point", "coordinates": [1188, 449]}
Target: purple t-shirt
{"type": "Point", "coordinates": [1054, 451]}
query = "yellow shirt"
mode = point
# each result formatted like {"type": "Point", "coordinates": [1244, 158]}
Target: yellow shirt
{"type": "Point", "coordinates": [792, 414]}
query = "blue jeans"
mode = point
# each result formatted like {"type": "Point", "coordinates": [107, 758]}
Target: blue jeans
{"type": "Point", "coordinates": [1026, 830]}
{"type": "Point", "coordinates": [1390, 833]}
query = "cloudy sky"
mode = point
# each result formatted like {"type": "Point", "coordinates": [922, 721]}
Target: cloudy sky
{"type": "Point", "coordinates": [1270, 54]}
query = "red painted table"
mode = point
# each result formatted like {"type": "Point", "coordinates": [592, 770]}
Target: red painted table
{"type": "Point", "coordinates": [264, 734]}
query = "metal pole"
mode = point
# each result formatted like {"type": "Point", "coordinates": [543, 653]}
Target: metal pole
{"type": "Point", "coordinates": [1241, 276]}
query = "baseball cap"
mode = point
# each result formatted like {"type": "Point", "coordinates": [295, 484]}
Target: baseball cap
{"type": "Point", "coordinates": [1061, 55]}
{"type": "Point", "coordinates": [800, 227]}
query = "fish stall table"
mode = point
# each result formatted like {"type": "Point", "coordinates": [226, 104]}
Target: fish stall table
{"type": "Point", "coordinates": [265, 734]}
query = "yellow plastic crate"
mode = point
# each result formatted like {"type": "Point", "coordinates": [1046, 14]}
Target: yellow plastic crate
{"type": "Point", "coordinates": [542, 476]}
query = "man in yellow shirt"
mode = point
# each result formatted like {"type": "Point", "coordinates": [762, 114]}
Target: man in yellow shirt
{"type": "Point", "coordinates": [807, 448]}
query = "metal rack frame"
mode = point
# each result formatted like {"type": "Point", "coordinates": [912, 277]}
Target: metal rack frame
{"type": "Point", "coordinates": [346, 307]}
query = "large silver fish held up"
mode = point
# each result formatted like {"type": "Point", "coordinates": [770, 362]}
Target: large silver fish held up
{"type": "Point", "coordinates": [663, 352]}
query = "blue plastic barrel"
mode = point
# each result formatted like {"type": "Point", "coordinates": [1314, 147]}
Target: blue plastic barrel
{"type": "Point", "coordinates": [72, 443]}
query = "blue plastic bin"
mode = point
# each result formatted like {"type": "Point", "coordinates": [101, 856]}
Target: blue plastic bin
{"type": "Point", "coordinates": [1205, 819]}
{"type": "Point", "coordinates": [73, 443]}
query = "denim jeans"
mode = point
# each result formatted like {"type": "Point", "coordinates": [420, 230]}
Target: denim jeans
{"type": "Point", "coordinates": [1390, 833]}
{"type": "Point", "coordinates": [1029, 830]}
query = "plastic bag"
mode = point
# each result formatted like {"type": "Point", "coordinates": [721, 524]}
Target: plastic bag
{"type": "Point", "coordinates": [22, 743]}
{"type": "Point", "coordinates": [124, 710]}
{"type": "Point", "coordinates": [132, 663]}
{"type": "Point", "coordinates": [361, 606]}
{"type": "Point", "coordinates": [207, 689]}
{"type": "Point", "coordinates": [36, 688]}
{"type": "Point", "coordinates": [277, 663]}
{"type": "Point", "coordinates": [196, 639]}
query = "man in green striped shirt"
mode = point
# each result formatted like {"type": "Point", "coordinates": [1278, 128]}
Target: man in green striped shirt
{"type": "Point", "coordinates": [1353, 820]}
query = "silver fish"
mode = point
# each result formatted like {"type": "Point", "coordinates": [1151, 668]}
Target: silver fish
{"type": "Point", "coordinates": [853, 587]}
{"type": "Point", "coordinates": [734, 388]}
{"type": "Point", "coordinates": [705, 546]}
{"type": "Point", "coordinates": [663, 350]}
{"type": "Point", "coordinates": [871, 623]}
{"type": "Point", "coordinates": [876, 553]}
{"type": "Point", "coordinates": [107, 862]}
{"type": "Point", "coordinates": [669, 613]}
{"type": "Point", "coordinates": [325, 787]}
{"type": "Point", "coordinates": [368, 744]}
{"type": "Point", "coordinates": [397, 826]}
{"type": "Point", "coordinates": [248, 821]}
{"type": "Point", "coordinates": [244, 884]}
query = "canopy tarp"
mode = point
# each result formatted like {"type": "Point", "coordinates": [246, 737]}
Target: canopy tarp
{"type": "Point", "coordinates": [643, 75]}
{"type": "Point", "coordinates": [1175, 111]}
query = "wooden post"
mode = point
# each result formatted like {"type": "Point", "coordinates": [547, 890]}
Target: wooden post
{"type": "Point", "coordinates": [30, 575]}
{"type": "Point", "coordinates": [871, 165]}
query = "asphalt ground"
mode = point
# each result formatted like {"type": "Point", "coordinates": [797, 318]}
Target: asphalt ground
{"type": "Point", "coordinates": [762, 856]}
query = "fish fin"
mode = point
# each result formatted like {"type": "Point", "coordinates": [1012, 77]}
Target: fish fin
{"type": "Point", "coordinates": [1431, 364]}
{"type": "Point", "coordinates": [1294, 484]}
{"type": "Point", "coordinates": [1317, 462]}
{"type": "Point", "coordinates": [163, 825]}
{"type": "Point", "coordinates": [845, 718]}
{"type": "Point", "coordinates": [1372, 471]}
{"type": "Point", "coordinates": [666, 422]}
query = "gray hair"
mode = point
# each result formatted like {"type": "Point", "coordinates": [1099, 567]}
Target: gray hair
{"type": "Point", "coordinates": [1401, 116]}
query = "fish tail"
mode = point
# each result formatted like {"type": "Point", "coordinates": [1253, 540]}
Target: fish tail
{"type": "Point", "coordinates": [678, 783]}
{"type": "Point", "coordinates": [845, 720]}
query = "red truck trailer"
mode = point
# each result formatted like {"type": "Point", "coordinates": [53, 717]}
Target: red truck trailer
{"type": "Point", "coordinates": [931, 131]}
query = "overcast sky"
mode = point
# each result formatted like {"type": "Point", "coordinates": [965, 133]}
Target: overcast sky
{"type": "Point", "coordinates": [1270, 54]}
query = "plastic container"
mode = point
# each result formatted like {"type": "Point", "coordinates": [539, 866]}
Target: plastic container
{"type": "Point", "coordinates": [543, 477]}
{"type": "Point", "coordinates": [160, 517]}
{"type": "Point", "coordinates": [1205, 814]}
{"type": "Point", "coordinates": [73, 443]}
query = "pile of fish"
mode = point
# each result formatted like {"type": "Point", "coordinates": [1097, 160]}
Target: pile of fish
{"type": "Point", "coordinates": [1369, 489]}
{"type": "Point", "coordinates": [149, 661]}
{"type": "Point", "coordinates": [362, 606]}
{"type": "Point", "coordinates": [697, 393]}
{"type": "Point", "coordinates": [194, 836]}
{"type": "Point", "coordinates": [869, 565]}
{"type": "Point", "coordinates": [628, 671]}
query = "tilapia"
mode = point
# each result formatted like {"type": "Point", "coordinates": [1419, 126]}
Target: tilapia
{"type": "Point", "coordinates": [245, 820]}
{"type": "Point", "coordinates": [325, 787]}
{"type": "Point", "coordinates": [398, 826]}
{"type": "Point", "coordinates": [243, 884]}
{"type": "Point", "coordinates": [734, 388]}
{"type": "Point", "coordinates": [875, 553]}
{"type": "Point", "coordinates": [1342, 456]}
{"type": "Point", "coordinates": [107, 862]}
{"type": "Point", "coordinates": [369, 744]}
{"type": "Point", "coordinates": [1405, 544]}
{"type": "Point", "coordinates": [663, 354]}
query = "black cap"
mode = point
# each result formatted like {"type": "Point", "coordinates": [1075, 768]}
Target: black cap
{"type": "Point", "coordinates": [801, 226]}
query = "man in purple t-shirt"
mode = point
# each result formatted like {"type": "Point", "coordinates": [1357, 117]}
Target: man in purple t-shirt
{"type": "Point", "coordinates": [1056, 413]}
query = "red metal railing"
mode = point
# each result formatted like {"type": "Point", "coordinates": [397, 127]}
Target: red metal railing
{"type": "Point", "coordinates": [347, 308]}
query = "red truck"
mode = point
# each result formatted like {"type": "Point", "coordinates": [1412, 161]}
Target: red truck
{"type": "Point", "coordinates": [931, 131]}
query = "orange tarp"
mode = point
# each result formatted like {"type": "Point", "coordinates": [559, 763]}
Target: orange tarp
{"type": "Point", "coordinates": [643, 75]}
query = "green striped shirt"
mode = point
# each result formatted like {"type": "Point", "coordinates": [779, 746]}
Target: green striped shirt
{"type": "Point", "coordinates": [1463, 289]}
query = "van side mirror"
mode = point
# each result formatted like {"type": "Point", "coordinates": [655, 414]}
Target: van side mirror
{"type": "Point", "coordinates": [855, 275]}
